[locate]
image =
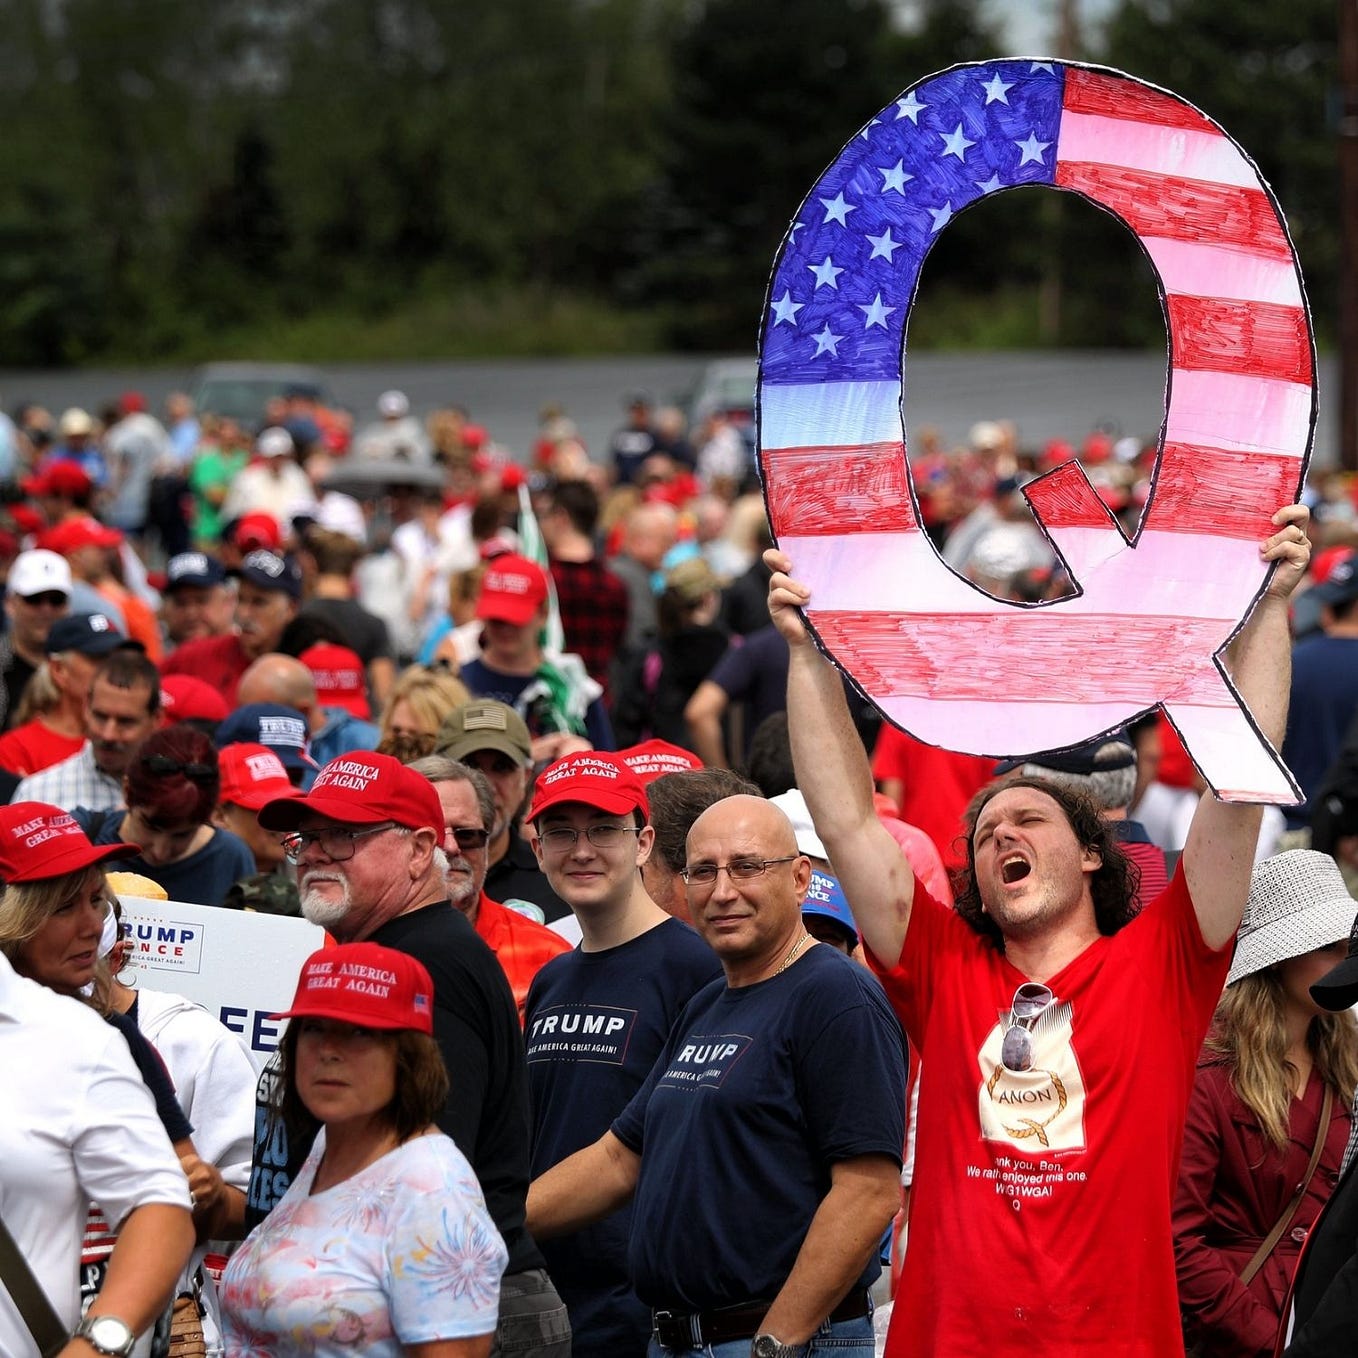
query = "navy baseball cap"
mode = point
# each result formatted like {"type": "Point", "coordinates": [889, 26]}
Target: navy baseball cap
{"type": "Point", "coordinates": [826, 897]}
{"type": "Point", "coordinates": [268, 570]}
{"type": "Point", "coordinates": [193, 569]}
{"type": "Point", "coordinates": [92, 634]}
{"type": "Point", "coordinates": [282, 729]}
{"type": "Point", "coordinates": [1079, 759]}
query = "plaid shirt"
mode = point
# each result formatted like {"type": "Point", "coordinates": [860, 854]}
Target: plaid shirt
{"type": "Point", "coordinates": [73, 782]}
{"type": "Point", "coordinates": [1351, 1149]}
{"type": "Point", "coordinates": [593, 604]}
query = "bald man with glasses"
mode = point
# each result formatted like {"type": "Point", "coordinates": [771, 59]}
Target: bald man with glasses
{"type": "Point", "coordinates": [761, 1164]}
{"type": "Point", "coordinates": [366, 840]}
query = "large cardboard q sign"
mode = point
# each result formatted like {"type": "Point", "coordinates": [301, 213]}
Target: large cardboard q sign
{"type": "Point", "coordinates": [941, 658]}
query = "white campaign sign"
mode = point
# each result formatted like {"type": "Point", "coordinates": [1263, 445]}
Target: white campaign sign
{"type": "Point", "coordinates": [240, 966]}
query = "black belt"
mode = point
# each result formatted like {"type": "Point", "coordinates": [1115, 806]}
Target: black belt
{"type": "Point", "coordinates": [675, 1330]}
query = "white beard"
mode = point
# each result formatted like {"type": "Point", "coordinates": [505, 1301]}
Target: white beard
{"type": "Point", "coordinates": [327, 911]}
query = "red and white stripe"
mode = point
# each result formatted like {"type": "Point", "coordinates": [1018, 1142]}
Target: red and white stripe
{"type": "Point", "coordinates": [960, 669]}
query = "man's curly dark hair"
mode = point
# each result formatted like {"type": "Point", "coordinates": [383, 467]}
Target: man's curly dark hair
{"type": "Point", "coordinates": [1113, 885]}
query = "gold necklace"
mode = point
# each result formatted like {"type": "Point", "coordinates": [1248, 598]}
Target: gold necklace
{"type": "Point", "coordinates": [792, 956]}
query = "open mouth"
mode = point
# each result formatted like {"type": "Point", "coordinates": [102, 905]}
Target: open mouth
{"type": "Point", "coordinates": [1014, 869]}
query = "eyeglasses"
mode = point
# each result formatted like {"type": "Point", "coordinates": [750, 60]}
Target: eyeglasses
{"type": "Point", "coordinates": [162, 764]}
{"type": "Point", "coordinates": [51, 598]}
{"type": "Point", "coordinates": [1031, 1001]}
{"type": "Point", "coordinates": [739, 870]}
{"type": "Point", "coordinates": [336, 844]}
{"type": "Point", "coordinates": [561, 838]}
{"type": "Point", "coordinates": [469, 838]}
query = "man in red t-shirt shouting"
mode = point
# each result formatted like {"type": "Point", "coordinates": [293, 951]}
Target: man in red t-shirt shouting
{"type": "Point", "coordinates": [1058, 1029]}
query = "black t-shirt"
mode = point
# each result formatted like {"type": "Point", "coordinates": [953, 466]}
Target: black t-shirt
{"type": "Point", "coordinates": [476, 1024]}
{"type": "Point", "coordinates": [517, 877]}
{"type": "Point", "coordinates": [363, 633]}
{"type": "Point", "coordinates": [758, 1093]}
{"type": "Point", "coordinates": [595, 1023]}
{"type": "Point", "coordinates": [17, 672]}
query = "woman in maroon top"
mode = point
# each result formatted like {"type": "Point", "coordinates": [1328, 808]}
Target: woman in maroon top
{"type": "Point", "coordinates": [1256, 1107]}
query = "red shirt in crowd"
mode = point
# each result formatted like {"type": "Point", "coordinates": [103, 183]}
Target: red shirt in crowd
{"type": "Point", "coordinates": [219, 661]}
{"type": "Point", "coordinates": [521, 945]}
{"type": "Point", "coordinates": [35, 746]}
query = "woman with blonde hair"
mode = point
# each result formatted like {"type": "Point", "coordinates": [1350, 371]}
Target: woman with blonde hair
{"type": "Point", "coordinates": [1269, 1116]}
{"type": "Point", "coordinates": [420, 700]}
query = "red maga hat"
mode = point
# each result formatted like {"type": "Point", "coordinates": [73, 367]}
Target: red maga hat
{"type": "Point", "coordinates": [594, 779]}
{"type": "Point", "coordinates": [338, 673]}
{"type": "Point", "coordinates": [512, 590]}
{"type": "Point", "coordinates": [253, 775]}
{"type": "Point", "coordinates": [653, 759]}
{"type": "Point", "coordinates": [38, 841]}
{"type": "Point", "coordinates": [367, 985]}
{"type": "Point", "coordinates": [361, 788]}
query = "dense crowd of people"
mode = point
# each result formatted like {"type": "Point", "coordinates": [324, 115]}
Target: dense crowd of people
{"type": "Point", "coordinates": [672, 1001]}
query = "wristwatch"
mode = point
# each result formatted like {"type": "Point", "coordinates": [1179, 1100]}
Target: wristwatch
{"type": "Point", "coordinates": [106, 1334]}
{"type": "Point", "coordinates": [769, 1346]}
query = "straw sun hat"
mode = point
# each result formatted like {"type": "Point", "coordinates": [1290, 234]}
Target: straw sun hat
{"type": "Point", "coordinates": [1297, 903]}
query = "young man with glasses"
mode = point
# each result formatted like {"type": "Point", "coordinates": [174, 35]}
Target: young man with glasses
{"type": "Point", "coordinates": [598, 1017]}
{"type": "Point", "coordinates": [366, 841]}
{"type": "Point", "coordinates": [521, 945]}
{"type": "Point", "coordinates": [1058, 1028]}
{"type": "Point", "coordinates": [762, 1155]}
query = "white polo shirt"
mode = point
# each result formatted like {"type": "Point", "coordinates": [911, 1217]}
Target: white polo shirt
{"type": "Point", "coordinates": [79, 1126]}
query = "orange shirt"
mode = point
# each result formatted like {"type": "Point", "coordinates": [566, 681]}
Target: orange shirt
{"type": "Point", "coordinates": [138, 615]}
{"type": "Point", "coordinates": [521, 946]}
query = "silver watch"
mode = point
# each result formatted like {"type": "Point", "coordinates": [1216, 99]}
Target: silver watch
{"type": "Point", "coordinates": [106, 1334]}
{"type": "Point", "coordinates": [769, 1346]}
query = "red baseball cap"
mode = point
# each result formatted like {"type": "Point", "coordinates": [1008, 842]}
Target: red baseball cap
{"type": "Point", "coordinates": [38, 841]}
{"type": "Point", "coordinates": [257, 530]}
{"type": "Point", "coordinates": [367, 985]}
{"type": "Point", "coordinates": [1324, 562]}
{"type": "Point", "coordinates": [253, 775]}
{"type": "Point", "coordinates": [653, 759]}
{"type": "Point", "coordinates": [70, 535]}
{"type": "Point", "coordinates": [338, 673]}
{"type": "Point", "coordinates": [594, 779]}
{"type": "Point", "coordinates": [512, 590]}
{"type": "Point", "coordinates": [361, 788]}
{"type": "Point", "coordinates": [63, 477]}
{"type": "Point", "coordinates": [185, 697]}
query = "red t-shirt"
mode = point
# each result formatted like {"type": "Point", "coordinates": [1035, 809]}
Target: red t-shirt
{"type": "Point", "coordinates": [936, 786]}
{"type": "Point", "coordinates": [35, 746]}
{"type": "Point", "coordinates": [218, 661]}
{"type": "Point", "coordinates": [1040, 1214]}
{"type": "Point", "coordinates": [521, 945]}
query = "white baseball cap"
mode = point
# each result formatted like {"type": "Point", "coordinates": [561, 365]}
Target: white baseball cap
{"type": "Point", "coordinates": [37, 572]}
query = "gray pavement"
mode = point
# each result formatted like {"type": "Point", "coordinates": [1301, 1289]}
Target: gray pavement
{"type": "Point", "coordinates": [1050, 395]}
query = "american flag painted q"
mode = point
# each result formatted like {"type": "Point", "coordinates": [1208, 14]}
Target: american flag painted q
{"type": "Point", "coordinates": [941, 658]}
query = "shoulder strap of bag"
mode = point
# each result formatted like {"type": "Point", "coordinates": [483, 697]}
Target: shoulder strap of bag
{"type": "Point", "coordinates": [49, 1334]}
{"type": "Point", "coordinates": [1290, 1211]}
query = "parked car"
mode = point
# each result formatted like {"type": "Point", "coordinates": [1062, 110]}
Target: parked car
{"type": "Point", "coordinates": [241, 391]}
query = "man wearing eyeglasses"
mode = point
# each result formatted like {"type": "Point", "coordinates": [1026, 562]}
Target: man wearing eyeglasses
{"type": "Point", "coordinates": [599, 1016]}
{"type": "Point", "coordinates": [366, 842]}
{"type": "Point", "coordinates": [1058, 1028]}
{"type": "Point", "coordinates": [37, 593]}
{"type": "Point", "coordinates": [763, 1153]}
{"type": "Point", "coordinates": [521, 945]}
